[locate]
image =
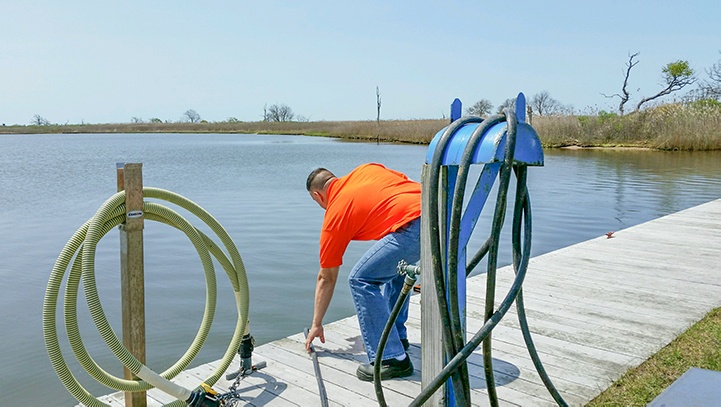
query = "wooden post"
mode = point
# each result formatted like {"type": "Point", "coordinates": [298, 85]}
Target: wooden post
{"type": "Point", "coordinates": [130, 179]}
{"type": "Point", "coordinates": [432, 352]}
{"type": "Point", "coordinates": [529, 112]}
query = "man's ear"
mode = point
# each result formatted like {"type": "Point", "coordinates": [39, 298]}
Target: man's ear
{"type": "Point", "coordinates": [317, 196]}
{"type": "Point", "coordinates": [321, 197]}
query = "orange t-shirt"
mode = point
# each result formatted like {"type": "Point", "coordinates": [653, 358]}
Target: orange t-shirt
{"type": "Point", "coordinates": [367, 204]}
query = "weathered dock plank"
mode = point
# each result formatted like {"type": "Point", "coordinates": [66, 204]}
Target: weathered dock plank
{"type": "Point", "coordinates": [595, 309]}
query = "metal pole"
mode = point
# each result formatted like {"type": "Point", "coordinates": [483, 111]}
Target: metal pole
{"type": "Point", "coordinates": [130, 179]}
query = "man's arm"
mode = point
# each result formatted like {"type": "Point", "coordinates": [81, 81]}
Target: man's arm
{"type": "Point", "coordinates": [323, 293]}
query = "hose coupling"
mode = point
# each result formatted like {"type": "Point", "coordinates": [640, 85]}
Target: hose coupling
{"type": "Point", "coordinates": [411, 272]}
{"type": "Point", "coordinates": [203, 396]}
{"type": "Point", "coordinates": [246, 352]}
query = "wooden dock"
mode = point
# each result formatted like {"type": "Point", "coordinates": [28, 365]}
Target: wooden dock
{"type": "Point", "coordinates": [595, 310]}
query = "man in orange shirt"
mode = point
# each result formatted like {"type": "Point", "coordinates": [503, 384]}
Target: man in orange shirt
{"type": "Point", "coordinates": [370, 203]}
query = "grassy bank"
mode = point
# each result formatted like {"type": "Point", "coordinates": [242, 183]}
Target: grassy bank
{"type": "Point", "coordinates": [403, 131]}
{"type": "Point", "coordinates": [668, 127]}
{"type": "Point", "coordinates": [699, 346]}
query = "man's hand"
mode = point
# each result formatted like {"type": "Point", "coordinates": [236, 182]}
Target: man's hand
{"type": "Point", "coordinates": [315, 331]}
{"type": "Point", "coordinates": [323, 293]}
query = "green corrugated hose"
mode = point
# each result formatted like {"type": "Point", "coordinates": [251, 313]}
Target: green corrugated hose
{"type": "Point", "coordinates": [81, 247]}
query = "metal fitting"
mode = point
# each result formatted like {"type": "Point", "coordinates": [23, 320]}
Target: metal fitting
{"type": "Point", "coordinates": [410, 271]}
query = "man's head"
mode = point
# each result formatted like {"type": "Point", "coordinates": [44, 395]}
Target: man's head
{"type": "Point", "coordinates": [317, 184]}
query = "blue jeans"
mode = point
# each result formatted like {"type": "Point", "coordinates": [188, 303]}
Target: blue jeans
{"type": "Point", "coordinates": [375, 286]}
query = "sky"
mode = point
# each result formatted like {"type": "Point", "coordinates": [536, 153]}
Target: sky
{"type": "Point", "coordinates": [109, 62]}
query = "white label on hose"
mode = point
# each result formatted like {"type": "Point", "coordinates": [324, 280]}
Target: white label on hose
{"type": "Point", "coordinates": [135, 214]}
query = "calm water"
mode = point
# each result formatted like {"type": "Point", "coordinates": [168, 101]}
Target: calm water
{"type": "Point", "coordinates": [254, 185]}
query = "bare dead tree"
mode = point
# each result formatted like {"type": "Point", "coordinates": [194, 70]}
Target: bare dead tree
{"type": "Point", "coordinates": [280, 113]}
{"type": "Point", "coordinates": [481, 108]}
{"type": "Point", "coordinates": [39, 121]}
{"type": "Point", "coordinates": [192, 116]}
{"type": "Point", "coordinates": [625, 95]}
{"type": "Point", "coordinates": [507, 104]}
{"type": "Point", "coordinates": [676, 76]}
{"type": "Point", "coordinates": [378, 103]}
{"type": "Point", "coordinates": [711, 88]}
{"type": "Point", "coordinates": [378, 115]}
{"type": "Point", "coordinates": [544, 104]}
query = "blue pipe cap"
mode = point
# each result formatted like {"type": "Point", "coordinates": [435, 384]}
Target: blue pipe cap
{"type": "Point", "coordinates": [492, 146]}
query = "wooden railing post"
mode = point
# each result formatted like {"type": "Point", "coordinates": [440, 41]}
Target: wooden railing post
{"type": "Point", "coordinates": [132, 279]}
{"type": "Point", "coordinates": [432, 352]}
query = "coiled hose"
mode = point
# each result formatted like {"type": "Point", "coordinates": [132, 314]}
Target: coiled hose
{"type": "Point", "coordinates": [81, 247]}
{"type": "Point", "coordinates": [447, 295]}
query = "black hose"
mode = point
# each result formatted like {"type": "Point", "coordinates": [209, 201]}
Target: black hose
{"type": "Point", "coordinates": [480, 254]}
{"type": "Point", "coordinates": [407, 286]}
{"type": "Point", "coordinates": [447, 328]}
{"type": "Point", "coordinates": [318, 377]}
{"type": "Point", "coordinates": [453, 239]}
{"type": "Point", "coordinates": [498, 218]}
{"type": "Point", "coordinates": [490, 322]}
{"type": "Point", "coordinates": [449, 314]}
{"type": "Point", "coordinates": [522, 196]}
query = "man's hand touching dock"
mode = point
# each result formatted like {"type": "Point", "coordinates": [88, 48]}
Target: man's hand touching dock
{"type": "Point", "coordinates": [315, 331]}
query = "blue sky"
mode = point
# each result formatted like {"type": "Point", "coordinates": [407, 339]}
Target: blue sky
{"type": "Point", "coordinates": [106, 62]}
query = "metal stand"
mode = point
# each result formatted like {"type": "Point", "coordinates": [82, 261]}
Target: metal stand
{"type": "Point", "coordinates": [503, 144]}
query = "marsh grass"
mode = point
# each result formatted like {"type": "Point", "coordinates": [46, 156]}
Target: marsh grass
{"type": "Point", "coordinates": [666, 127]}
{"type": "Point", "coordinates": [676, 126]}
{"type": "Point", "coordinates": [699, 346]}
{"type": "Point", "coordinates": [402, 131]}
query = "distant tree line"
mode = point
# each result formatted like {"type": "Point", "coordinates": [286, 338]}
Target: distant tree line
{"type": "Point", "coordinates": [541, 104]}
{"type": "Point", "coordinates": [272, 113]}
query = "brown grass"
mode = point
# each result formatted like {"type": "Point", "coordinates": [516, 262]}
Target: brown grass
{"type": "Point", "coordinates": [407, 131]}
{"type": "Point", "coordinates": [667, 127]}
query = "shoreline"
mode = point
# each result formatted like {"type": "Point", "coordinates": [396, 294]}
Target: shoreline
{"type": "Point", "coordinates": [351, 139]}
{"type": "Point", "coordinates": [633, 132]}
{"type": "Point", "coordinates": [625, 148]}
